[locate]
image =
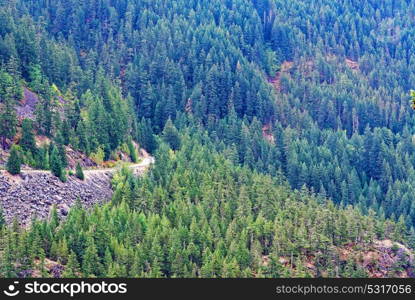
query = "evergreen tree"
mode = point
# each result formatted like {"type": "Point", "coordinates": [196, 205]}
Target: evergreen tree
{"type": "Point", "coordinates": [79, 172]}
{"type": "Point", "coordinates": [8, 121]}
{"type": "Point", "coordinates": [2, 218]}
{"type": "Point", "coordinates": [65, 132]}
{"type": "Point", "coordinates": [146, 136]}
{"type": "Point", "coordinates": [72, 269]}
{"type": "Point", "coordinates": [28, 142]}
{"type": "Point", "coordinates": [132, 150]}
{"type": "Point", "coordinates": [90, 262]}
{"type": "Point", "coordinates": [42, 265]}
{"type": "Point", "coordinates": [56, 162]}
{"type": "Point", "coordinates": [62, 150]}
{"type": "Point", "coordinates": [15, 161]}
{"type": "Point", "coordinates": [171, 135]}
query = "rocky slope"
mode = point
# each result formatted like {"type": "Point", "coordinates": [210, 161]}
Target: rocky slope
{"type": "Point", "coordinates": [33, 193]}
{"type": "Point", "coordinates": [379, 259]}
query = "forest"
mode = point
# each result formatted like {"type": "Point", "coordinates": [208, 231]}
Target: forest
{"type": "Point", "coordinates": [283, 132]}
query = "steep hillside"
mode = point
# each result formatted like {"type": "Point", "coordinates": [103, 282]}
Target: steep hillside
{"type": "Point", "coordinates": [33, 194]}
{"type": "Point", "coordinates": [282, 130]}
{"type": "Point", "coordinates": [197, 215]}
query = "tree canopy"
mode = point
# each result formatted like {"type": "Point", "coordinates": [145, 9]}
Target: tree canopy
{"type": "Point", "coordinates": [275, 124]}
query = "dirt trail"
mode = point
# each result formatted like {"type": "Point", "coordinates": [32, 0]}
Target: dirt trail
{"type": "Point", "coordinates": [136, 168]}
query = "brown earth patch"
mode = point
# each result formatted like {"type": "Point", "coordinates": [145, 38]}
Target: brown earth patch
{"type": "Point", "coordinates": [276, 81]}
{"type": "Point", "coordinates": [352, 64]}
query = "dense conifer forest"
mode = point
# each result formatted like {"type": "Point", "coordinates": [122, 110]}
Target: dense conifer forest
{"type": "Point", "coordinates": [283, 135]}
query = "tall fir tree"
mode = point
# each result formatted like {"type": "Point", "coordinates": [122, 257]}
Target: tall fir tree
{"type": "Point", "coordinates": [56, 162]}
{"type": "Point", "coordinates": [15, 161]}
{"type": "Point", "coordinates": [27, 141]}
{"type": "Point", "coordinates": [8, 121]}
{"type": "Point", "coordinates": [171, 135]}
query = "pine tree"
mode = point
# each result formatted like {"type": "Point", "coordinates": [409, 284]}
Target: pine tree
{"type": "Point", "coordinates": [72, 269]}
{"type": "Point", "coordinates": [132, 150]}
{"type": "Point", "coordinates": [90, 264]}
{"type": "Point", "coordinates": [14, 162]}
{"type": "Point", "coordinates": [6, 263]}
{"type": "Point", "coordinates": [171, 135]}
{"type": "Point", "coordinates": [28, 142]}
{"type": "Point", "coordinates": [108, 261]}
{"type": "Point", "coordinates": [65, 132]}
{"type": "Point", "coordinates": [63, 251]}
{"type": "Point", "coordinates": [83, 142]}
{"type": "Point", "coordinates": [54, 218]}
{"type": "Point", "coordinates": [62, 150]}
{"type": "Point", "coordinates": [55, 162]}
{"type": "Point", "coordinates": [42, 158]}
{"type": "Point", "coordinates": [79, 172]}
{"type": "Point", "coordinates": [2, 218]}
{"type": "Point", "coordinates": [42, 266]}
{"type": "Point", "coordinates": [146, 136]}
{"type": "Point", "coordinates": [9, 85]}
{"type": "Point", "coordinates": [8, 121]}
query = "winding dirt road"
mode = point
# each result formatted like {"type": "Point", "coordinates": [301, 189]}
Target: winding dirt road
{"type": "Point", "coordinates": [136, 168]}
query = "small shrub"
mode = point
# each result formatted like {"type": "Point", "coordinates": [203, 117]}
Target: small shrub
{"type": "Point", "coordinates": [98, 156]}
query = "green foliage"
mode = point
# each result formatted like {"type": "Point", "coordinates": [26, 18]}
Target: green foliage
{"type": "Point", "coordinates": [62, 155]}
{"type": "Point", "coordinates": [65, 132]}
{"type": "Point", "coordinates": [56, 162]}
{"type": "Point", "coordinates": [63, 177]}
{"type": "Point", "coordinates": [15, 161]}
{"type": "Point", "coordinates": [36, 78]}
{"type": "Point", "coordinates": [146, 136]}
{"type": "Point", "coordinates": [43, 158]}
{"type": "Point", "coordinates": [198, 215]}
{"type": "Point", "coordinates": [337, 122]}
{"type": "Point", "coordinates": [171, 135]}
{"type": "Point", "coordinates": [72, 268]}
{"type": "Point", "coordinates": [2, 218]}
{"type": "Point", "coordinates": [98, 157]}
{"type": "Point", "coordinates": [79, 172]}
{"type": "Point", "coordinates": [8, 121]}
{"type": "Point", "coordinates": [27, 141]}
{"type": "Point", "coordinates": [9, 87]}
{"type": "Point", "coordinates": [132, 151]}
